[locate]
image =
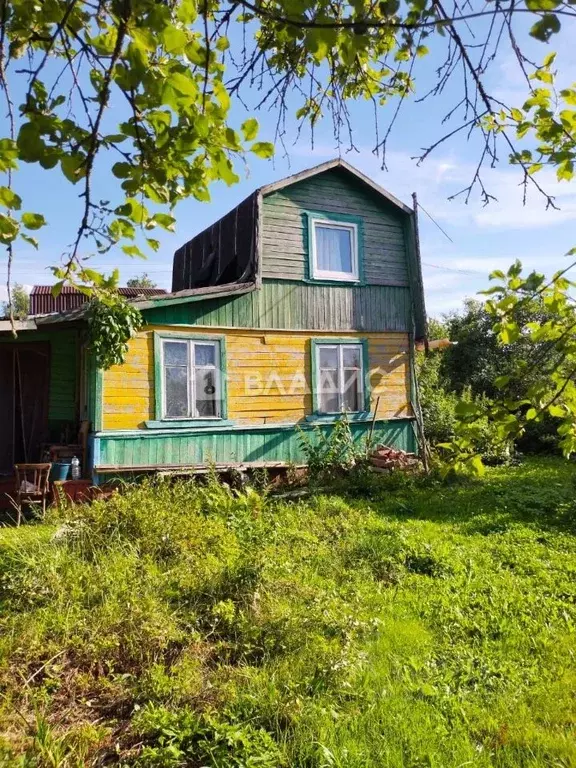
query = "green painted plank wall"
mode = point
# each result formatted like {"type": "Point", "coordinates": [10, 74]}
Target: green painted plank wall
{"type": "Point", "coordinates": [187, 447]}
{"type": "Point", "coordinates": [63, 370]}
{"type": "Point", "coordinates": [285, 305]}
{"type": "Point", "coordinates": [284, 232]}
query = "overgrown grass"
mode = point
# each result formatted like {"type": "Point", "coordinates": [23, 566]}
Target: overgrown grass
{"type": "Point", "coordinates": [399, 623]}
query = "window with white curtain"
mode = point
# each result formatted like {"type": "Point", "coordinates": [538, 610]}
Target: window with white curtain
{"type": "Point", "coordinates": [191, 379]}
{"type": "Point", "coordinates": [340, 378]}
{"type": "Point", "coordinates": [334, 250]}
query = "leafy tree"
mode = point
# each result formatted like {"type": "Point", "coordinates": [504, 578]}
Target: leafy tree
{"type": "Point", "coordinates": [141, 282]}
{"type": "Point", "coordinates": [143, 91]}
{"type": "Point", "coordinates": [539, 385]}
{"type": "Point", "coordinates": [478, 357]}
{"type": "Point", "coordinates": [18, 306]}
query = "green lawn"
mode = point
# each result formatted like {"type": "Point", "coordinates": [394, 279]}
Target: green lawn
{"type": "Point", "coordinates": [402, 624]}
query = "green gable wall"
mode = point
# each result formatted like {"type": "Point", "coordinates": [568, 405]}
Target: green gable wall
{"type": "Point", "coordinates": [284, 231]}
{"type": "Point", "coordinates": [284, 305]}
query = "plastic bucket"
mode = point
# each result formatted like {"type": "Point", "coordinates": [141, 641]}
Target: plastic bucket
{"type": "Point", "coordinates": [59, 471]}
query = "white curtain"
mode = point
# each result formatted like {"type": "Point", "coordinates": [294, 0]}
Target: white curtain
{"type": "Point", "coordinates": [333, 249]}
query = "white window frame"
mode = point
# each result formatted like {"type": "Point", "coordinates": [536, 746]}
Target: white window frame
{"type": "Point", "coordinates": [191, 347]}
{"type": "Point", "coordinates": [340, 375]}
{"type": "Point", "coordinates": [325, 274]}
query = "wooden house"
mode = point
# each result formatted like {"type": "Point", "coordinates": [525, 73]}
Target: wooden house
{"type": "Point", "coordinates": [304, 301]}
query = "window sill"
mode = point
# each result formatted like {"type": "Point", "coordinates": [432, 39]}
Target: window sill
{"type": "Point", "coordinates": [331, 418]}
{"type": "Point", "coordinates": [187, 423]}
{"type": "Point", "coordinates": [334, 281]}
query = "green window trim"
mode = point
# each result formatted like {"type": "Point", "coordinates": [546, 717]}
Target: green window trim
{"type": "Point", "coordinates": [215, 423]}
{"type": "Point", "coordinates": [356, 415]}
{"type": "Point", "coordinates": [342, 218]}
{"type": "Point", "coordinates": [159, 421]}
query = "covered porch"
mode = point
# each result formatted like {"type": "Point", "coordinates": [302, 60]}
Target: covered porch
{"type": "Point", "coordinates": [43, 398]}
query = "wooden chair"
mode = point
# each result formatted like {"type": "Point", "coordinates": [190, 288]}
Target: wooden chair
{"type": "Point", "coordinates": [32, 485]}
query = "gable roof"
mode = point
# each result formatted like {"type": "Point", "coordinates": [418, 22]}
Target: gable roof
{"type": "Point", "coordinates": [330, 165]}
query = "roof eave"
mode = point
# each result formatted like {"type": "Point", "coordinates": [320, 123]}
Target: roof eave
{"type": "Point", "coordinates": [194, 294]}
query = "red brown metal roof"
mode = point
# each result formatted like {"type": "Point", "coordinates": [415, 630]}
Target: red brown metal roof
{"type": "Point", "coordinates": [43, 303]}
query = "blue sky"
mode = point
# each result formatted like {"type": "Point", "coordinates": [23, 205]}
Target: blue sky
{"type": "Point", "coordinates": [483, 238]}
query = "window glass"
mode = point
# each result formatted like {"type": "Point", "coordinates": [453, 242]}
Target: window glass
{"type": "Point", "coordinates": [328, 357]}
{"type": "Point", "coordinates": [205, 354]}
{"type": "Point", "coordinates": [339, 383]}
{"type": "Point", "coordinates": [176, 392]}
{"type": "Point", "coordinates": [351, 394]}
{"type": "Point", "coordinates": [205, 388]}
{"type": "Point", "coordinates": [175, 353]}
{"type": "Point", "coordinates": [191, 379]}
{"type": "Point", "coordinates": [333, 249]}
{"type": "Point", "coordinates": [351, 357]}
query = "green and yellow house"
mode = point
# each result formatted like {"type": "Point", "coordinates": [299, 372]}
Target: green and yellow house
{"type": "Point", "coordinates": [304, 301]}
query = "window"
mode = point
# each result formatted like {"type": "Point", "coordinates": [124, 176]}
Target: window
{"type": "Point", "coordinates": [340, 377]}
{"type": "Point", "coordinates": [190, 379]}
{"type": "Point", "coordinates": [334, 250]}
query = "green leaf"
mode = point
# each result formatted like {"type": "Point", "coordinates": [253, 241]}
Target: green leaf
{"type": "Point", "coordinates": [8, 229]}
{"type": "Point", "coordinates": [502, 381]}
{"type": "Point", "coordinates": [8, 155]}
{"type": "Point", "coordinates": [477, 466]}
{"type": "Point", "coordinates": [133, 250]}
{"type": "Point", "coordinates": [73, 166]}
{"type": "Point", "coordinates": [164, 220]}
{"type": "Point", "coordinates": [543, 5]}
{"type": "Point", "coordinates": [557, 411]}
{"type": "Point", "coordinates": [547, 26]}
{"type": "Point", "coordinates": [10, 199]}
{"type": "Point", "coordinates": [30, 240]}
{"type": "Point", "coordinates": [531, 414]}
{"type": "Point", "coordinates": [565, 171]}
{"type": "Point", "coordinates": [30, 144]}
{"type": "Point", "coordinates": [250, 129]}
{"type": "Point", "coordinates": [33, 220]}
{"type": "Point", "coordinates": [174, 39]}
{"type": "Point", "coordinates": [134, 210]}
{"type": "Point", "coordinates": [263, 149]}
{"type": "Point", "coordinates": [183, 84]}
{"type": "Point", "coordinates": [121, 170]}
{"type": "Point", "coordinates": [509, 332]}
{"type": "Point", "coordinates": [465, 408]}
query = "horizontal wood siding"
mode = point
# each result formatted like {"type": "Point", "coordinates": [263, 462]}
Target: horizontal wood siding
{"type": "Point", "coordinates": [239, 445]}
{"type": "Point", "coordinates": [268, 377]}
{"type": "Point", "coordinates": [284, 230]}
{"type": "Point", "coordinates": [281, 304]}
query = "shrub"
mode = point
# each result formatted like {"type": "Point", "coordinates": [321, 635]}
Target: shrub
{"type": "Point", "coordinates": [332, 452]}
{"type": "Point", "coordinates": [437, 402]}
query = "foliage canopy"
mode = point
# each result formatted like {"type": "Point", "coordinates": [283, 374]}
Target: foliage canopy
{"type": "Point", "coordinates": [143, 91]}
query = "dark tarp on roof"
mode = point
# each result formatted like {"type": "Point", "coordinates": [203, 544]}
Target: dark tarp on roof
{"type": "Point", "coordinates": [224, 253]}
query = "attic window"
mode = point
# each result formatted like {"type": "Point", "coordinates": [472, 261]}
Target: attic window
{"type": "Point", "coordinates": [334, 250]}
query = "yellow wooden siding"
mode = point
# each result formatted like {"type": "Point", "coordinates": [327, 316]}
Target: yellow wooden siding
{"type": "Point", "coordinates": [268, 375]}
